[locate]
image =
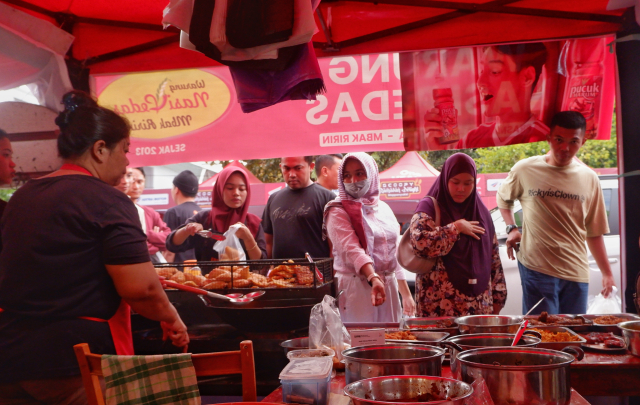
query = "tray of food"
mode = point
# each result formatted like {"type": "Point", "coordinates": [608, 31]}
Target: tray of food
{"type": "Point", "coordinates": [418, 337]}
{"type": "Point", "coordinates": [440, 324]}
{"type": "Point", "coordinates": [544, 320]}
{"type": "Point", "coordinates": [609, 322]}
{"type": "Point", "coordinates": [559, 337]}
{"type": "Point", "coordinates": [250, 274]}
{"type": "Point", "coordinates": [604, 342]}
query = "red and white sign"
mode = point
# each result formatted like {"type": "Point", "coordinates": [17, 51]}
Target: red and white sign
{"type": "Point", "coordinates": [193, 114]}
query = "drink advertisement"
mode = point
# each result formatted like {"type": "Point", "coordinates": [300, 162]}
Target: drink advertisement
{"type": "Point", "coordinates": [505, 94]}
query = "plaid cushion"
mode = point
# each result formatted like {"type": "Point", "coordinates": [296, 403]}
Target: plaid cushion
{"type": "Point", "coordinates": [161, 379]}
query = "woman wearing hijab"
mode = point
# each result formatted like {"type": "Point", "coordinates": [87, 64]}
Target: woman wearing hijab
{"type": "Point", "coordinates": [229, 206]}
{"type": "Point", "coordinates": [467, 278]}
{"type": "Point", "coordinates": [364, 234]}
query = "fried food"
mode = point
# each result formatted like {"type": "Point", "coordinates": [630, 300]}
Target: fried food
{"type": "Point", "coordinates": [166, 272]}
{"type": "Point", "coordinates": [277, 283]}
{"type": "Point", "coordinates": [179, 277]}
{"type": "Point", "coordinates": [608, 320]}
{"type": "Point", "coordinates": [240, 283]}
{"type": "Point", "coordinates": [224, 276]}
{"type": "Point", "coordinates": [304, 276]}
{"type": "Point", "coordinates": [549, 336]}
{"type": "Point", "coordinates": [198, 279]}
{"type": "Point", "coordinates": [190, 284]}
{"type": "Point", "coordinates": [230, 254]}
{"type": "Point", "coordinates": [258, 280]}
{"type": "Point", "coordinates": [400, 335]}
{"type": "Point", "coordinates": [544, 319]}
{"type": "Point", "coordinates": [241, 273]}
{"type": "Point", "coordinates": [218, 271]}
{"type": "Point", "coordinates": [216, 285]}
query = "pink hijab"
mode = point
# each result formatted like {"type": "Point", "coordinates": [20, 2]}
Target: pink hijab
{"type": "Point", "coordinates": [221, 215]}
{"type": "Point", "coordinates": [353, 206]}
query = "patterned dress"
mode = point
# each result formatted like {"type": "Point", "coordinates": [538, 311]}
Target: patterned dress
{"type": "Point", "coordinates": [435, 294]}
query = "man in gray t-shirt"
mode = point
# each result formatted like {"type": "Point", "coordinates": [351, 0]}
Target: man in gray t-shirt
{"type": "Point", "coordinates": [292, 219]}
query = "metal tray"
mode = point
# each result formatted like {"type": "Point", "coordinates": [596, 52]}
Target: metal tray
{"type": "Point", "coordinates": [426, 338]}
{"type": "Point", "coordinates": [561, 345]}
{"type": "Point", "coordinates": [415, 323]}
{"type": "Point", "coordinates": [596, 327]}
{"type": "Point", "coordinates": [576, 328]}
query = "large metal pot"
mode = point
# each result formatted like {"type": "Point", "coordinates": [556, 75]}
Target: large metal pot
{"type": "Point", "coordinates": [460, 343]}
{"type": "Point", "coordinates": [631, 334]}
{"type": "Point", "coordinates": [409, 389]}
{"type": "Point", "coordinates": [489, 323]}
{"type": "Point", "coordinates": [398, 359]}
{"type": "Point", "coordinates": [521, 375]}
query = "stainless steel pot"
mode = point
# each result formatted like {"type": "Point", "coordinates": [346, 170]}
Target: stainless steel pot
{"type": "Point", "coordinates": [631, 334]}
{"type": "Point", "coordinates": [489, 323]}
{"type": "Point", "coordinates": [460, 343]}
{"type": "Point", "coordinates": [295, 344]}
{"type": "Point", "coordinates": [397, 359]}
{"type": "Point", "coordinates": [521, 375]}
{"type": "Point", "coordinates": [409, 389]}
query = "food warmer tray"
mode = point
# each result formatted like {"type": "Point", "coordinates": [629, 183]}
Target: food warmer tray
{"type": "Point", "coordinates": [433, 338]}
{"type": "Point", "coordinates": [279, 310]}
{"type": "Point", "coordinates": [596, 327]}
{"type": "Point", "coordinates": [561, 345]}
{"type": "Point", "coordinates": [576, 328]}
{"type": "Point", "coordinates": [416, 324]}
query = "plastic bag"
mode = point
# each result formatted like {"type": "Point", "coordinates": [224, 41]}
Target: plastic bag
{"type": "Point", "coordinates": [230, 248]}
{"type": "Point", "coordinates": [326, 328]}
{"type": "Point", "coordinates": [610, 305]}
{"type": "Point", "coordinates": [480, 395]}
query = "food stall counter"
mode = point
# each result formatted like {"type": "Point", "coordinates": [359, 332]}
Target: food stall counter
{"type": "Point", "coordinates": [338, 383]}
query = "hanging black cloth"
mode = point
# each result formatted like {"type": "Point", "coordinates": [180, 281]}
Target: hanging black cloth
{"type": "Point", "coordinates": [252, 23]}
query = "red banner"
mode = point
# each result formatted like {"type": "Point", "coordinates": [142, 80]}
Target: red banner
{"type": "Point", "coordinates": [193, 114]}
{"type": "Point", "coordinates": [504, 94]}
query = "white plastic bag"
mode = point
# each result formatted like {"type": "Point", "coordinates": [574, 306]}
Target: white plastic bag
{"type": "Point", "coordinates": [610, 305]}
{"type": "Point", "coordinates": [326, 328]}
{"type": "Point", "coordinates": [230, 248]}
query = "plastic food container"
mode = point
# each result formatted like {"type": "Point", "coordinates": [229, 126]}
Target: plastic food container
{"type": "Point", "coordinates": [306, 353]}
{"type": "Point", "coordinates": [307, 380]}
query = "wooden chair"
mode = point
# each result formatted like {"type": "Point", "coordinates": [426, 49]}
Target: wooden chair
{"type": "Point", "coordinates": [206, 365]}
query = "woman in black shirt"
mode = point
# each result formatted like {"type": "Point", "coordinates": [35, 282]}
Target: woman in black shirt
{"type": "Point", "coordinates": [74, 260]}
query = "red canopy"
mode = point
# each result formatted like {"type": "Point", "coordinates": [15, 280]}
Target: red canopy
{"type": "Point", "coordinates": [411, 165]}
{"type": "Point", "coordinates": [127, 36]}
{"type": "Point", "coordinates": [212, 180]}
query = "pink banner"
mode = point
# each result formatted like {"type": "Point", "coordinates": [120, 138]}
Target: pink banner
{"type": "Point", "coordinates": [504, 94]}
{"type": "Point", "coordinates": [193, 115]}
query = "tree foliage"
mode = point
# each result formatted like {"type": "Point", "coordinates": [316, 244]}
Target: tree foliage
{"type": "Point", "coordinates": [596, 154]}
{"type": "Point", "coordinates": [498, 159]}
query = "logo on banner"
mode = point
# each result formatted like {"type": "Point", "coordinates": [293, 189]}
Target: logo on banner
{"type": "Point", "coordinates": [167, 103]}
{"type": "Point", "coordinates": [400, 189]}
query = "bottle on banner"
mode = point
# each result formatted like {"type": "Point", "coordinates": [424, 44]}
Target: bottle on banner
{"type": "Point", "coordinates": [443, 101]}
{"type": "Point", "coordinates": [583, 90]}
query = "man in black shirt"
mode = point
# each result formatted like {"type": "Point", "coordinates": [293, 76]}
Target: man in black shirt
{"type": "Point", "coordinates": [292, 219]}
{"type": "Point", "coordinates": [185, 189]}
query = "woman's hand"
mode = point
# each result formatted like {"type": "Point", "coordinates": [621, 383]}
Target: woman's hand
{"type": "Point", "coordinates": [244, 233]}
{"type": "Point", "coordinates": [176, 331]}
{"type": "Point", "coordinates": [408, 306]}
{"type": "Point", "coordinates": [192, 228]}
{"type": "Point", "coordinates": [471, 228]}
{"type": "Point", "coordinates": [378, 295]}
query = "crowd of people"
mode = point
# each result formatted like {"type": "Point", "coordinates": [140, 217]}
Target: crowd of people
{"type": "Point", "coordinates": [73, 265]}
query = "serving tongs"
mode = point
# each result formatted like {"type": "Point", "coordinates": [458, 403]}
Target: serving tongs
{"type": "Point", "coordinates": [241, 300]}
{"type": "Point", "coordinates": [208, 233]}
